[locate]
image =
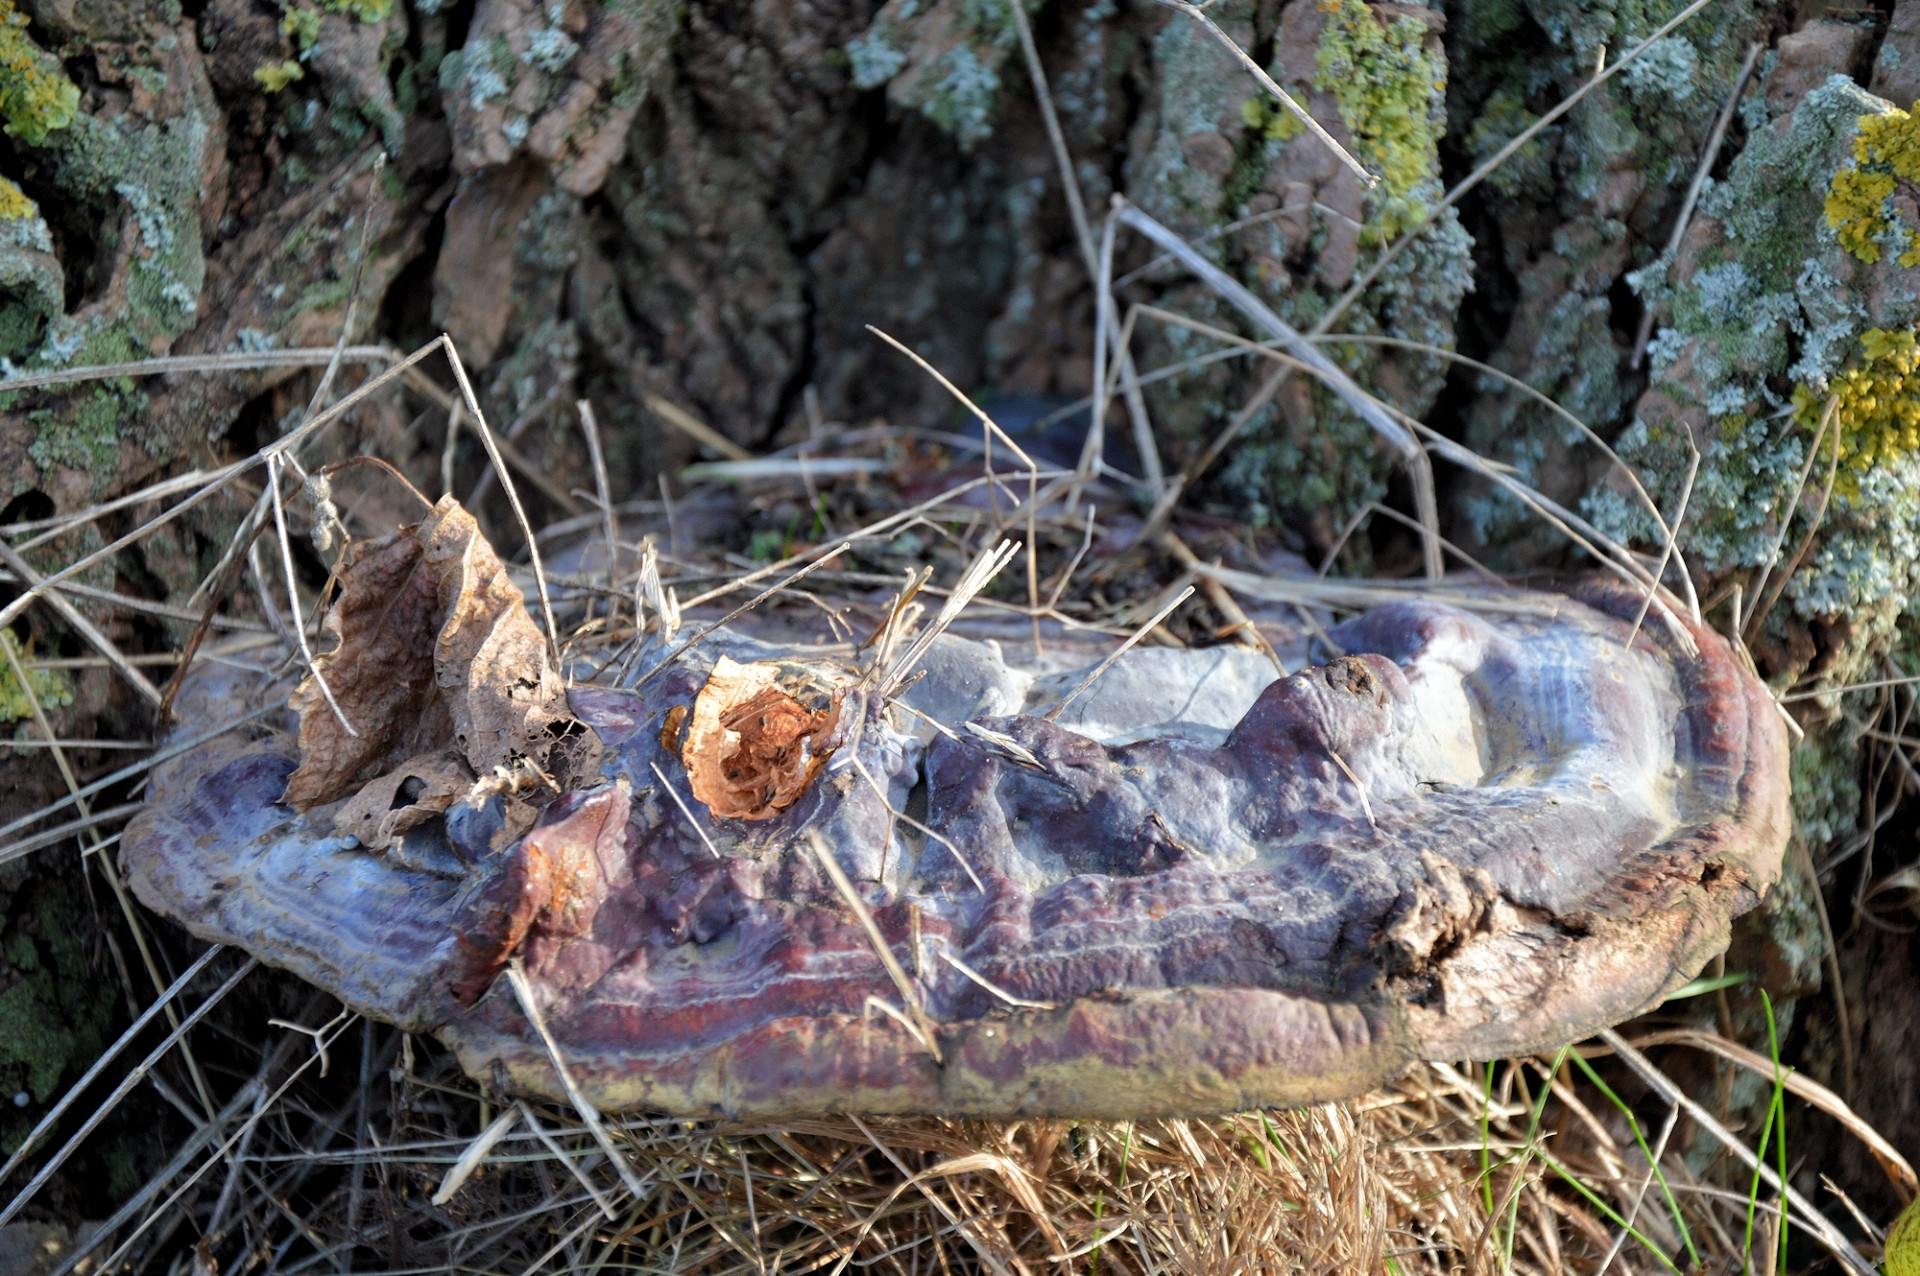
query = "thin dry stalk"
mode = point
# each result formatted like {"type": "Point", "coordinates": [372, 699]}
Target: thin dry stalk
{"type": "Point", "coordinates": [1363, 405]}
{"type": "Point", "coordinates": [1673, 536]}
{"type": "Point", "coordinates": [1099, 264]}
{"type": "Point", "coordinates": [1701, 172]}
{"type": "Point", "coordinates": [1772, 597]}
{"type": "Point", "coordinates": [513, 497]}
{"type": "Point", "coordinates": [993, 431]}
{"type": "Point", "coordinates": [1767, 564]}
{"type": "Point", "coordinates": [30, 1144]}
{"type": "Point", "coordinates": [218, 481]}
{"type": "Point", "coordinates": [247, 361]}
{"type": "Point", "coordinates": [978, 575]}
{"type": "Point", "coordinates": [1359, 787]}
{"type": "Point", "coordinates": [1810, 1219]}
{"type": "Point", "coordinates": [602, 487]}
{"type": "Point", "coordinates": [1285, 99]}
{"type": "Point", "coordinates": [82, 626]}
{"type": "Point", "coordinates": [293, 599]}
{"type": "Point", "coordinates": [1899, 1171]}
{"type": "Point", "coordinates": [247, 1097]}
{"type": "Point", "coordinates": [924, 830]}
{"type": "Point", "coordinates": [1093, 676]}
{"type": "Point", "coordinates": [108, 869]}
{"type": "Point", "coordinates": [1239, 624]}
{"type": "Point", "coordinates": [589, 1115]}
{"type": "Point", "coordinates": [909, 993]}
{"type": "Point", "coordinates": [681, 650]}
{"type": "Point", "coordinates": [685, 810]}
{"type": "Point", "coordinates": [696, 429]}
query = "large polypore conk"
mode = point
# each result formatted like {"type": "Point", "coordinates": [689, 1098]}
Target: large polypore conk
{"type": "Point", "coordinates": [1486, 828]}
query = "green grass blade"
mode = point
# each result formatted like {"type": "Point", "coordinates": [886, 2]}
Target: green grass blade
{"type": "Point", "coordinates": [1640, 1138]}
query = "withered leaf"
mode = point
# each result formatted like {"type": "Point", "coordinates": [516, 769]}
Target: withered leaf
{"type": "Point", "coordinates": [752, 748]}
{"type": "Point", "coordinates": [406, 797]}
{"type": "Point", "coordinates": [380, 670]}
{"type": "Point", "coordinates": [433, 650]}
{"type": "Point", "coordinates": [490, 659]}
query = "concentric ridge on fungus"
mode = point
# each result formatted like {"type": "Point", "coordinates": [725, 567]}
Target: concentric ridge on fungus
{"type": "Point", "coordinates": [1556, 827]}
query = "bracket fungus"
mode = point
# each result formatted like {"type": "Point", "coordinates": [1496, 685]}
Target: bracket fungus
{"type": "Point", "coordinates": [1488, 826]}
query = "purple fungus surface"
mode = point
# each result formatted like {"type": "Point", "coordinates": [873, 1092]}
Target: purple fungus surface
{"type": "Point", "coordinates": [1481, 828]}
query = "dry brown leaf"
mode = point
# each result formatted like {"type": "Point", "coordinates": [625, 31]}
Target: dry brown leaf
{"type": "Point", "coordinates": [752, 748]}
{"type": "Point", "coordinates": [435, 651]}
{"type": "Point", "coordinates": [406, 797]}
{"type": "Point", "coordinates": [380, 670]}
{"type": "Point", "coordinates": [490, 659]}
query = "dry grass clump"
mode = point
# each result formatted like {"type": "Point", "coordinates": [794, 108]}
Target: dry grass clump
{"type": "Point", "coordinates": [374, 1153]}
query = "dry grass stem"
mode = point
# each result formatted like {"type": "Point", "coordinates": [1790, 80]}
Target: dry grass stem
{"type": "Point", "coordinates": [1667, 551]}
{"type": "Point", "coordinates": [909, 993]}
{"type": "Point", "coordinates": [589, 1115]}
{"type": "Point", "coordinates": [1807, 1217]}
{"type": "Point", "coordinates": [1363, 405]}
{"type": "Point", "coordinates": [685, 810]}
{"type": "Point", "coordinates": [1285, 99]}
{"type": "Point", "coordinates": [1093, 675]}
{"type": "Point", "coordinates": [1703, 170]}
{"type": "Point", "coordinates": [696, 429]}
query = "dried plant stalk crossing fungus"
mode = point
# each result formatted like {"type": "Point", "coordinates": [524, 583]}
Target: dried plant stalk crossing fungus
{"type": "Point", "coordinates": [749, 881]}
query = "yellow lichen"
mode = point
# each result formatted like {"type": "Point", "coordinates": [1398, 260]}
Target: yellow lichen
{"type": "Point", "coordinates": [14, 204]}
{"type": "Point", "coordinates": [36, 97]}
{"type": "Point", "coordinates": [277, 75]}
{"type": "Point", "coordinates": [1273, 119]}
{"type": "Point", "coordinates": [1876, 405]}
{"type": "Point", "coordinates": [363, 10]}
{"type": "Point", "coordinates": [302, 26]}
{"type": "Point", "coordinates": [46, 688]}
{"type": "Point", "coordinates": [1391, 92]}
{"type": "Point", "coordinates": [1903, 1242]}
{"type": "Point", "coordinates": [1886, 154]}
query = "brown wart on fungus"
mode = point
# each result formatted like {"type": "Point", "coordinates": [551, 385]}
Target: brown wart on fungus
{"type": "Point", "coordinates": [1494, 826]}
{"type": "Point", "coordinates": [752, 748]}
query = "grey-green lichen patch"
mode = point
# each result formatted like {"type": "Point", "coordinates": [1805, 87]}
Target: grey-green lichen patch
{"type": "Point", "coordinates": [483, 71]}
{"type": "Point", "coordinates": [32, 291]}
{"type": "Point", "coordinates": [1305, 230]}
{"type": "Point", "coordinates": [561, 82]}
{"type": "Point", "coordinates": [1528, 172]}
{"type": "Point", "coordinates": [945, 59]}
{"type": "Point", "coordinates": [130, 166]}
{"type": "Point", "coordinates": [1767, 300]}
{"type": "Point", "coordinates": [1576, 209]}
{"type": "Point", "coordinates": [1769, 315]}
{"type": "Point", "coordinates": [1826, 787]}
{"type": "Point", "coordinates": [85, 433]}
{"type": "Point", "coordinates": [872, 58]}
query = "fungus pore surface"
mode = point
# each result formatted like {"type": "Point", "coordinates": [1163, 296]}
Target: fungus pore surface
{"type": "Point", "coordinates": [1474, 830]}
